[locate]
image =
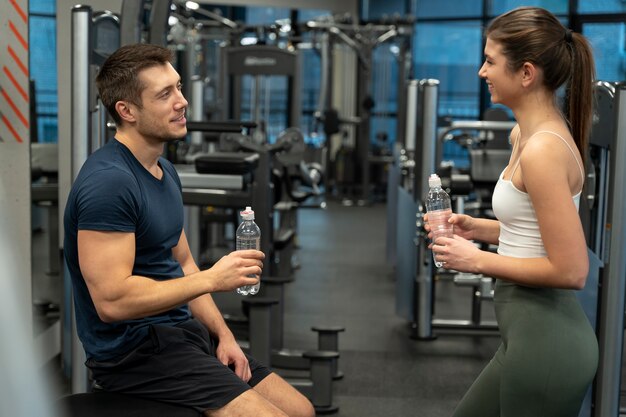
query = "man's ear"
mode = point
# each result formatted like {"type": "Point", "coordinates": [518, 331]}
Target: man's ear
{"type": "Point", "coordinates": [529, 74]}
{"type": "Point", "coordinates": [126, 111]}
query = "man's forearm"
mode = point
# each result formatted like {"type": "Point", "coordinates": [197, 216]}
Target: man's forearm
{"type": "Point", "coordinates": [204, 309]}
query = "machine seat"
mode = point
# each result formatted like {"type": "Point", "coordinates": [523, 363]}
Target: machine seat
{"type": "Point", "coordinates": [227, 163]}
{"type": "Point", "coordinates": [106, 404]}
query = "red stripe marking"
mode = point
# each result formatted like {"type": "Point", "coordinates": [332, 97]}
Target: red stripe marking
{"type": "Point", "coordinates": [15, 109]}
{"type": "Point", "coordinates": [19, 11]}
{"type": "Point", "coordinates": [10, 126]}
{"type": "Point", "coordinates": [15, 83]}
{"type": "Point", "coordinates": [18, 35]}
{"type": "Point", "coordinates": [18, 61]}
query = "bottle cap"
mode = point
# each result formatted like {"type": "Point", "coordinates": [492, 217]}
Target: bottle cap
{"type": "Point", "coordinates": [434, 181]}
{"type": "Point", "coordinates": [247, 214]}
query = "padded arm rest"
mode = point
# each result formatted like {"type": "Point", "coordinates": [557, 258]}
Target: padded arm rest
{"type": "Point", "coordinates": [486, 165]}
{"type": "Point", "coordinates": [223, 126]}
{"type": "Point", "coordinates": [228, 163]}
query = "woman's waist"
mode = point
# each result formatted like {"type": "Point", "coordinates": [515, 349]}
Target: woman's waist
{"type": "Point", "coordinates": [506, 291]}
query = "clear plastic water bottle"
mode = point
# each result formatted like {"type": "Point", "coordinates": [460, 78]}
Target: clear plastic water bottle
{"type": "Point", "coordinates": [439, 209]}
{"type": "Point", "coordinates": [248, 236]}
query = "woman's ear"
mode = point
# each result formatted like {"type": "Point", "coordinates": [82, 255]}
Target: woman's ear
{"type": "Point", "coordinates": [529, 73]}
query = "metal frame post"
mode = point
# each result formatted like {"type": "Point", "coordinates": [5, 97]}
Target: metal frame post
{"type": "Point", "coordinates": [80, 134]}
{"type": "Point", "coordinates": [427, 143]}
{"type": "Point", "coordinates": [611, 323]}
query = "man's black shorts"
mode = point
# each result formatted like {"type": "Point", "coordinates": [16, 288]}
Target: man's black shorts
{"type": "Point", "coordinates": [176, 364]}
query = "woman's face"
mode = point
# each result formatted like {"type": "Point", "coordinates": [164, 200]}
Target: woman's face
{"type": "Point", "coordinates": [503, 84]}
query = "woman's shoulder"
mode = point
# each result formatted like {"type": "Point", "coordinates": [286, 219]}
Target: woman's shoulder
{"type": "Point", "coordinates": [514, 135]}
{"type": "Point", "coordinates": [550, 140]}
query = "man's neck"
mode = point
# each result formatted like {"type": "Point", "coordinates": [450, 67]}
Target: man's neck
{"type": "Point", "coordinates": [146, 151]}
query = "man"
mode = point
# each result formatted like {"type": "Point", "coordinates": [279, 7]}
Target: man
{"type": "Point", "coordinates": [144, 311]}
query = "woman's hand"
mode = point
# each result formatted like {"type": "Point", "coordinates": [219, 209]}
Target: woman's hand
{"type": "Point", "coordinates": [463, 226]}
{"type": "Point", "coordinates": [457, 253]}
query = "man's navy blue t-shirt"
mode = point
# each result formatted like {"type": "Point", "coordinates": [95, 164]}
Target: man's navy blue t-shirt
{"type": "Point", "coordinates": [114, 192]}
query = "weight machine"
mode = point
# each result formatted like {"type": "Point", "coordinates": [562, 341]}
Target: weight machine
{"type": "Point", "coordinates": [604, 221]}
{"type": "Point", "coordinates": [407, 246]}
{"type": "Point", "coordinates": [362, 40]}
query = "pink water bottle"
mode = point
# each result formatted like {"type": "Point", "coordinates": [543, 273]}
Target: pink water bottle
{"type": "Point", "coordinates": [439, 209]}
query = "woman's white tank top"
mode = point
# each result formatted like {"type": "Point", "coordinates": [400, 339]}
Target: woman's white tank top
{"type": "Point", "coordinates": [519, 228]}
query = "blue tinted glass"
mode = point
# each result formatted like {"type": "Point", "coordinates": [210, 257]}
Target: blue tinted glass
{"type": "Point", "coordinates": [555, 6]}
{"type": "Point", "coordinates": [310, 92]}
{"type": "Point", "coordinates": [310, 14]}
{"type": "Point", "coordinates": [265, 15]}
{"type": "Point", "coordinates": [42, 6]}
{"type": "Point", "coordinates": [266, 101]}
{"type": "Point", "coordinates": [373, 10]}
{"type": "Point", "coordinates": [43, 70]}
{"type": "Point", "coordinates": [449, 8]}
{"type": "Point", "coordinates": [602, 6]}
{"type": "Point", "coordinates": [607, 42]}
{"type": "Point", "coordinates": [384, 92]}
{"type": "Point", "coordinates": [451, 53]}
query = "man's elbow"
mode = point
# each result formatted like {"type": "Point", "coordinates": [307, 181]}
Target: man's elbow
{"type": "Point", "coordinates": [108, 312]}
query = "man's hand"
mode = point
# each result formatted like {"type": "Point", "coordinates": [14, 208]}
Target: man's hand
{"type": "Point", "coordinates": [233, 270]}
{"type": "Point", "coordinates": [229, 353]}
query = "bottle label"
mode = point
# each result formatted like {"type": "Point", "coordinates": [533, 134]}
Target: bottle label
{"type": "Point", "coordinates": [244, 243]}
{"type": "Point", "coordinates": [438, 222]}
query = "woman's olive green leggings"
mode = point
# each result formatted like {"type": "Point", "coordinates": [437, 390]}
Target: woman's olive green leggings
{"type": "Point", "coordinates": [546, 362]}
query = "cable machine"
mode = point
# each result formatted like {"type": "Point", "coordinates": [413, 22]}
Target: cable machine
{"type": "Point", "coordinates": [604, 221]}
{"type": "Point", "coordinates": [362, 40]}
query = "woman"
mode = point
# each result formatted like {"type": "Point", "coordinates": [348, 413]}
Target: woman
{"type": "Point", "coordinates": [549, 353]}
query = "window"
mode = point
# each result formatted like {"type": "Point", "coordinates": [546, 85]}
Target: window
{"type": "Point", "coordinates": [374, 10]}
{"type": "Point", "coordinates": [448, 9]}
{"type": "Point", "coordinates": [265, 15]}
{"type": "Point", "coordinates": [384, 92]}
{"type": "Point", "coordinates": [607, 41]}
{"type": "Point", "coordinates": [43, 68]}
{"type": "Point", "coordinates": [451, 52]}
{"type": "Point", "coordinates": [602, 6]}
{"type": "Point", "coordinates": [555, 6]}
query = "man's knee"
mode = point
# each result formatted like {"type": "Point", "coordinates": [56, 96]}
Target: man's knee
{"type": "Point", "coordinates": [284, 396]}
{"type": "Point", "coordinates": [305, 409]}
{"type": "Point", "coordinates": [250, 403]}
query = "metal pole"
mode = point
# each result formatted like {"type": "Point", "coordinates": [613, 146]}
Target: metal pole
{"type": "Point", "coordinates": [197, 107]}
{"type": "Point", "coordinates": [411, 117]}
{"type": "Point", "coordinates": [363, 139]}
{"type": "Point", "coordinates": [427, 141]}
{"type": "Point", "coordinates": [613, 282]}
{"type": "Point", "coordinates": [81, 132]}
{"type": "Point", "coordinates": [426, 134]}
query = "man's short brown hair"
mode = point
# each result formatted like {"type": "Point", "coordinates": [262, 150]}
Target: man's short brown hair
{"type": "Point", "coordinates": [118, 79]}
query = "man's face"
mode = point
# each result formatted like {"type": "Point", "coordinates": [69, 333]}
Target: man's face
{"type": "Point", "coordinates": [162, 114]}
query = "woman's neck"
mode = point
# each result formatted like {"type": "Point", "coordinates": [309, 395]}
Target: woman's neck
{"type": "Point", "coordinates": [536, 113]}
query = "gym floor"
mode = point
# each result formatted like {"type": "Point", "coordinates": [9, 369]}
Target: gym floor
{"type": "Point", "coordinates": [345, 280]}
